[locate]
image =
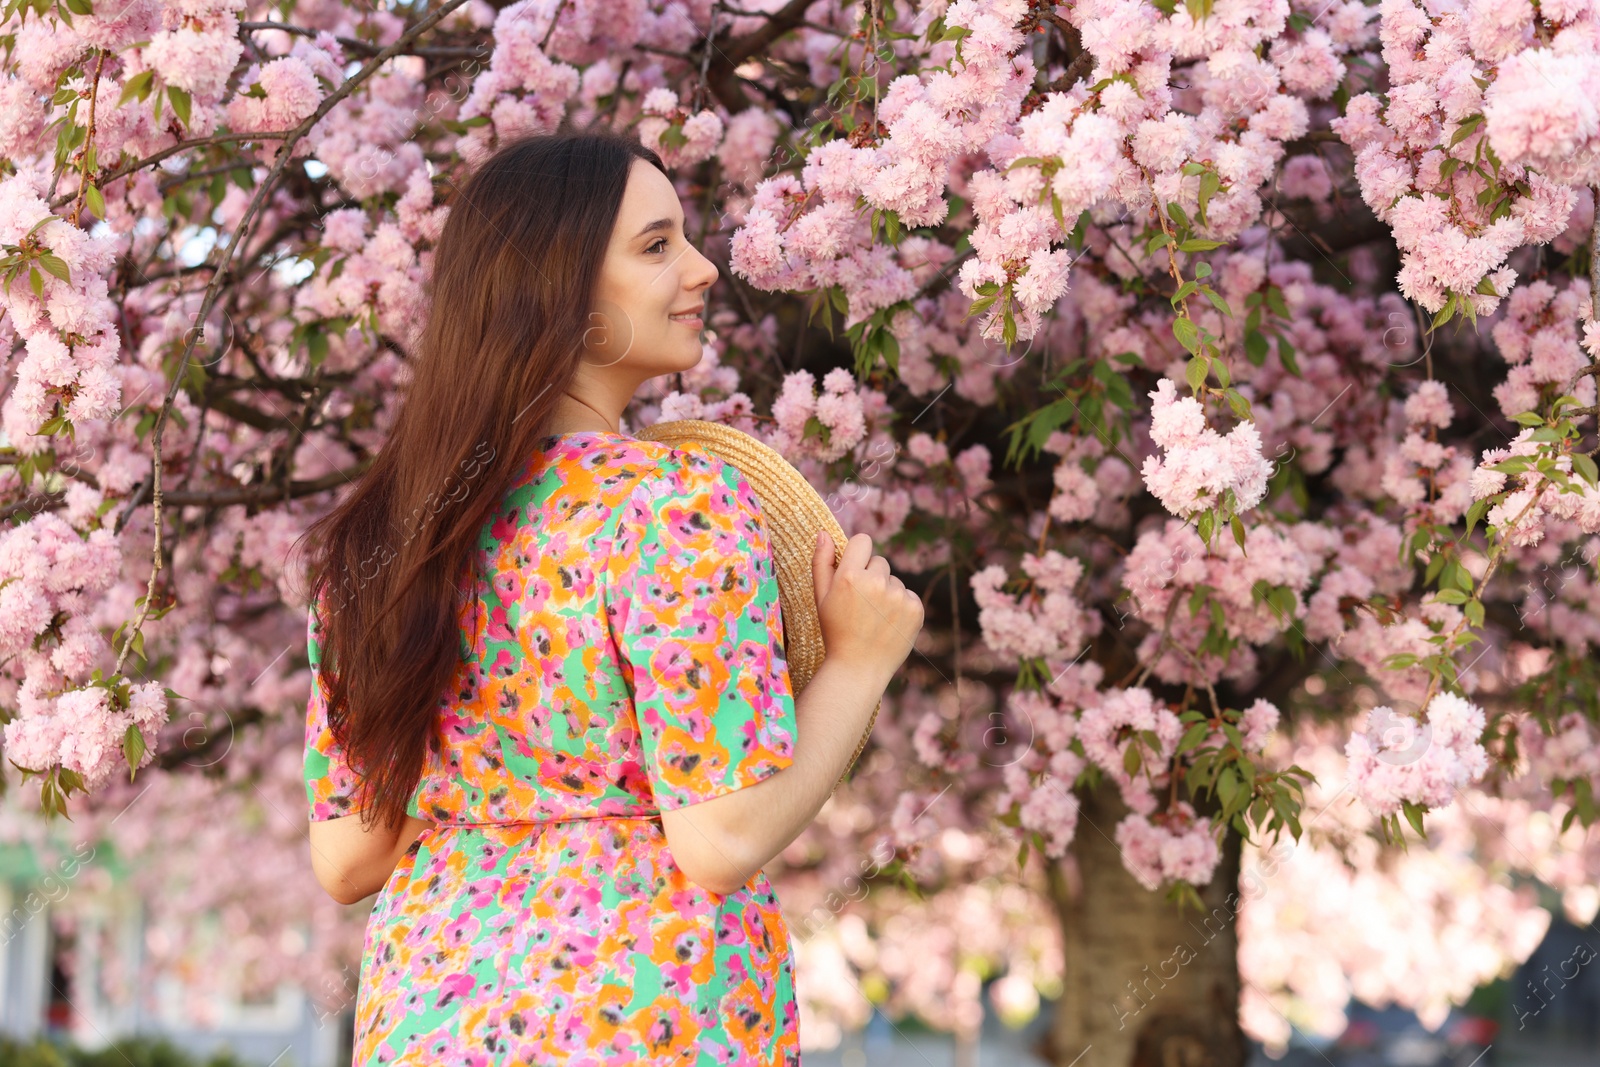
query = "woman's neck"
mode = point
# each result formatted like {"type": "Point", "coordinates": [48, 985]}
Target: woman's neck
{"type": "Point", "coordinates": [573, 415]}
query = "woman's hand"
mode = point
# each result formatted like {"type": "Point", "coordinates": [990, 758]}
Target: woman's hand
{"type": "Point", "coordinates": [869, 618]}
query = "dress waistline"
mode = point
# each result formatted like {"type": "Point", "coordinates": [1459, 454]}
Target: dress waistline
{"type": "Point", "coordinates": [650, 817]}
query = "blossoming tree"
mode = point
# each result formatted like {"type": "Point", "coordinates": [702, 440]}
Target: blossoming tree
{"type": "Point", "coordinates": [1279, 603]}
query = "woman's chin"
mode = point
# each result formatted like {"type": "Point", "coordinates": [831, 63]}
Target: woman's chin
{"type": "Point", "coordinates": [692, 356]}
{"type": "Point", "coordinates": [676, 362]}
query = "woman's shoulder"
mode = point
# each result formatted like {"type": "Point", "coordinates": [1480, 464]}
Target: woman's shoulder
{"type": "Point", "coordinates": [692, 474]}
{"type": "Point", "coordinates": [683, 488]}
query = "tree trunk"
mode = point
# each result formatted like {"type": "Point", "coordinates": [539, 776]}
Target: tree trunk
{"type": "Point", "coordinates": [1146, 985]}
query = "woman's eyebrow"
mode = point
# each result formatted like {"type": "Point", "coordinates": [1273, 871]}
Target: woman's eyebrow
{"type": "Point", "coordinates": [659, 224]}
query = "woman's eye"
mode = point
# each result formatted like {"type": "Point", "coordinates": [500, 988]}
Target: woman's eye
{"type": "Point", "coordinates": [661, 241]}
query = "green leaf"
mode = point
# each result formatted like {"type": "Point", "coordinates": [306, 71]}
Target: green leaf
{"type": "Point", "coordinates": [1286, 356]}
{"type": "Point", "coordinates": [1414, 813]}
{"type": "Point", "coordinates": [1209, 184]}
{"type": "Point", "coordinates": [1275, 302]}
{"type": "Point", "coordinates": [180, 103]}
{"type": "Point", "coordinates": [1450, 596]}
{"type": "Point", "coordinates": [1445, 313]}
{"type": "Point", "coordinates": [1216, 300]}
{"type": "Point", "coordinates": [138, 85]}
{"type": "Point", "coordinates": [1227, 786]}
{"type": "Point", "coordinates": [1474, 514]}
{"type": "Point", "coordinates": [1198, 244]}
{"type": "Point", "coordinates": [1255, 347]}
{"type": "Point", "coordinates": [1474, 612]}
{"type": "Point", "coordinates": [133, 747]}
{"type": "Point", "coordinates": [55, 265]}
{"type": "Point", "coordinates": [1197, 369]}
{"type": "Point", "coordinates": [1468, 124]}
{"type": "Point", "coordinates": [1238, 531]}
{"type": "Point", "coordinates": [1189, 337]}
{"type": "Point", "coordinates": [1193, 736]}
{"type": "Point", "coordinates": [1585, 468]}
{"type": "Point", "coordinates": [1528, 418]}
{"type": "Point", "coordinates": [1238, 403]}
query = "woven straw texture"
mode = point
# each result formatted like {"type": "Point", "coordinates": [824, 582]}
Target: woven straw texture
{"type": "Point", "coordinates": [794, 512]}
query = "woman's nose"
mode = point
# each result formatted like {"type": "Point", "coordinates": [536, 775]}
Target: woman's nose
{"type": "Point", "coordinates": [703, 274]}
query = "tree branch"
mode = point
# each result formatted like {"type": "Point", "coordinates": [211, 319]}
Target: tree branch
{"type": "Point", "coordinates": [367, 48]}
{"type": "Point", "coordinates": [720, 77]}
{"type": "Point", "coordinates": [267, 491]}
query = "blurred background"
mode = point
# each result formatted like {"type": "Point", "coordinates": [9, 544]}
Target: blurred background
{"type": "Point", "coordinates": [1545, 1014]}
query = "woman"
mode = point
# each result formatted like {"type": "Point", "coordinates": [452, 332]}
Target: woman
{"type": "Point", "coordinates": [556, 652]}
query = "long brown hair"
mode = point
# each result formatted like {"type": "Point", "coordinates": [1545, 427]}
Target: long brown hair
{"type": "Point", "coordinates": [514, 273]}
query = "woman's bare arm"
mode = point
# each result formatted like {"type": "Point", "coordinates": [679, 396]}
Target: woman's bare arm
{"type": "Point", "coordinates": [720, 843]}
{"type": "Point", "coordinates": [352, 861]}
{"type": "Point", "coordinates": [869, 622]}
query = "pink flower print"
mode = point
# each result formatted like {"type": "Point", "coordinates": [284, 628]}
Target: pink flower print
{"type": "Point", "coordinates": [453, 986]}
{"type": "Point", "coordinates": [504, 663]}
{"type": "Point", "coordinates": [499, 627]}
{"type": "Point", "coordinates": [505, 526]}
{"type": "Point", "coordinates": [508, 585]}
{"type": "Point", "coordinates": [462, 930]}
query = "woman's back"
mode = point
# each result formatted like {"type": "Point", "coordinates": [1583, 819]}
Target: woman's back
{"type": "Point", "coordinates": [624, 657]}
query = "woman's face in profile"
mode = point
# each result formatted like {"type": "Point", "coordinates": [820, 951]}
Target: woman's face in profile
{"type": "Point", "coordinates": [651, 291]}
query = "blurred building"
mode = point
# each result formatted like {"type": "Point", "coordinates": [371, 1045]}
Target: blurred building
{"type": "Point", "coordinates": [53, 959]}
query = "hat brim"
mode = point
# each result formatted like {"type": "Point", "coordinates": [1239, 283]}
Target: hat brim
{"type": "Point", "coordinates": [794, 511]}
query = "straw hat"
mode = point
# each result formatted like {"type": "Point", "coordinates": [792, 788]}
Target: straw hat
{"type": "Point", "coordinates": [794, 511]}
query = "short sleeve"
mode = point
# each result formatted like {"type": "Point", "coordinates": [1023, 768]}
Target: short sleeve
{"type": "Point", "coordinates": [330, 783]}
{"type": "Point", "coordinates": [692, 597]}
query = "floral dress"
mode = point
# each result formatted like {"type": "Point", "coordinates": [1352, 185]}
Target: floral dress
{"type": "Point", "coordinates": [624, 656]}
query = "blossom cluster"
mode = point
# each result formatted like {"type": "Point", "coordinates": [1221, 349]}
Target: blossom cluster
{"type": "Point", "coordinates": [1201, 469]}
{"type": "Point", "coordinates": [1538, 337]}
{"type": "Point", "coordinates": [1176, 845]}
{"type": "Point", "coordinates": [1119, 137]}
{"type": "Point", "coordinates": [49, 575]}
{"type": "Point", "coordinates": [1167, 566]}
{"type": "Point", "coordinates": [1049, 621]}
{"type": "Point", "coordinates": [1458, 210]}
{"type": "Point", "coordinates": [697, 136]}
{"type": "Point", "coordinates": [1525, 501]}
{"type": "Point", "coordinates": [69, 328]}
{"type": "Point", "coordinates": [1400, 757]}
{"type": "Point", "coordinates": [1116, 721]}
{"type": "Point", "coordinates": [928, 124]}
{"type": "Point", "coordinates": [1422, 474]}
{"type": "Point", "coordinates": [839, 409]}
